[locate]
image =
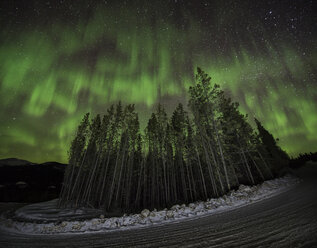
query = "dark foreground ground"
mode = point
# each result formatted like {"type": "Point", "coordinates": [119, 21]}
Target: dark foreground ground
{"type": "Point", "coordinates": [24, 181]}
{"type": "Point", "coordinates": [286, 220]}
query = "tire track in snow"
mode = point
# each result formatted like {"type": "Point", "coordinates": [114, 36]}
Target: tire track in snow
{"type": "Point", "coordinates": [285, 220]}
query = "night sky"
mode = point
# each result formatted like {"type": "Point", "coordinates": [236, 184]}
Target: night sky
{"type": "Point", "coordinates": [61, 59]}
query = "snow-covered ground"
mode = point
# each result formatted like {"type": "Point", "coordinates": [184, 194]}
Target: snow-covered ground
{"type": "Point", "coordinates": [234, 199]}
{"type": "Point", "coordinates": [46, 212]}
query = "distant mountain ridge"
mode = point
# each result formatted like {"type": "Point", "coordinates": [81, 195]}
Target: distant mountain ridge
{"type": "Point", "coordinates": [23, 162]}
{"type": "Point", "coordinates": [14, 162]}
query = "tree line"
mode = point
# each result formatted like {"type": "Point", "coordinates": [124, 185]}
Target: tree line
{"type": "Point", "coordinates": [302, 159]}
{"type": "Point", "coordinates": [188, 157]}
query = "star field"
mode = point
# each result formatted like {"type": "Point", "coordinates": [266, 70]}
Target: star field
{"type": "Point", "coordinates": [61, 59]}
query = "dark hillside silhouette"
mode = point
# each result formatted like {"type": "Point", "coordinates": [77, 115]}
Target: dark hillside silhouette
{"type": "Point", "coordinates": [24, 181]}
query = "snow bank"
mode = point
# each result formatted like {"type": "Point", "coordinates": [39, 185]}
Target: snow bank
{"type": "Point", "coordinates": [235, 198]}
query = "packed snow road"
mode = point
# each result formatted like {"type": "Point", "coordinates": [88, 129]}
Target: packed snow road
{"type": "Point", "coordinates": [288, 219]}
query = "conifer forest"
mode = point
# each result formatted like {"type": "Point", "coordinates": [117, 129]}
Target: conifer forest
{"type": "Point", "coordinates": [193, 155]}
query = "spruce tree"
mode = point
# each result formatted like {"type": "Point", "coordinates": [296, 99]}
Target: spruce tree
{"type": "Point", "coordinates": [76, 156]}
{"type": "Point", "coordinates": [279, 158]}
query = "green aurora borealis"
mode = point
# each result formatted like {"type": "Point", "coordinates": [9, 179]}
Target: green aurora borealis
{"type": "Point", "coordinates": [61, 60]}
